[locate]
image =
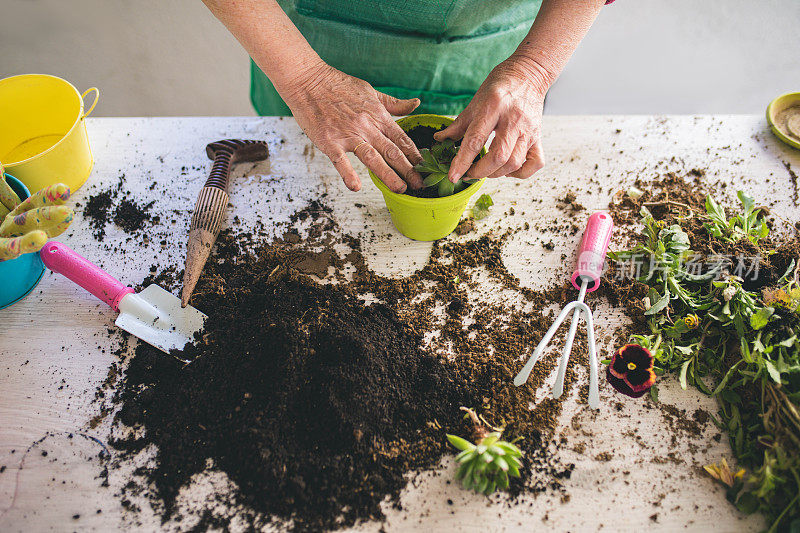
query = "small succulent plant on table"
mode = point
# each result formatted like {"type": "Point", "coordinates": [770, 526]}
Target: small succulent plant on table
{"type": "Point", "coordinates": [436, 164]}
{"type": "Point", "coordinates": [486, 465]}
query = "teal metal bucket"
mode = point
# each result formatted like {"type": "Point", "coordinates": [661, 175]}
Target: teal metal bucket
{"type": "Point", "coordinates": [19, 276]}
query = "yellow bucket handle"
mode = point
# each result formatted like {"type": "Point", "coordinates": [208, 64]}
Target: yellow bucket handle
{"type": "Point", "coordinates": [96, 97]}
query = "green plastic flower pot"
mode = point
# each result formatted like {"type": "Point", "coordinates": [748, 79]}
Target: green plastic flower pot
{"type": "Point", "coordinates": [426, 219]}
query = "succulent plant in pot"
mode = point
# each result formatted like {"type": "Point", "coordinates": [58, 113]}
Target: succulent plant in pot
{"type": "Point", "coordinates": [430, 213]}
{"type": "Point", "coordinates": [435, 166]}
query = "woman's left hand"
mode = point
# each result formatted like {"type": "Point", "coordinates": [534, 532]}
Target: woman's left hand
{"type": "Point", "coordinates": [509, 102]}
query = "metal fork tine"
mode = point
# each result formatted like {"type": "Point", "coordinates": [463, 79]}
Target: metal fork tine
{"type": "Point", "coordinates": [594, 388]}
{"type": "Point", "coordinates": [523, 375]}
{"type": "Point", "coordinates": [558, 386]}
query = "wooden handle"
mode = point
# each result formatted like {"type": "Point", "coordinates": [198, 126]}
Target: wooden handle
{"type": "Point", "coordinates": [206, 223]}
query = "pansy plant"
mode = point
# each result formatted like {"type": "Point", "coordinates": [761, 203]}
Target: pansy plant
{"type": "Point", "coordinates": [631, 370]}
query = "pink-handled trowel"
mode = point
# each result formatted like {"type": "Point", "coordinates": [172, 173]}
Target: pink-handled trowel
{"type": "Point", "coordinates": [154, 315]}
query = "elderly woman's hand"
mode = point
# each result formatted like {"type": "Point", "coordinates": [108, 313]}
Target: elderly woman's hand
{"type": "Point", "coordinates": [341, 114]}
{"type": "Point", "coordinates": [509, 103]}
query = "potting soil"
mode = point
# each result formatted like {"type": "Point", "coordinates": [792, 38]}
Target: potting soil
{"type": "Point", "coordinates": [317, 406]}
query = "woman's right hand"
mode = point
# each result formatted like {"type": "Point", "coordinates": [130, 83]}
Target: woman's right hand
{"type": "Point", "coordinates": [341, 113]}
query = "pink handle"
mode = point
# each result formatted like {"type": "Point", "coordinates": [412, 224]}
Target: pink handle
{"type": "Point", "coordinates": [592, 253]}
{"type": "Point", "coordinates": [64, 260]}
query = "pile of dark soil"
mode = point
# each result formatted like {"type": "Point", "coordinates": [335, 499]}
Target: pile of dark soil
{"type": "Point", "coordinates": [318, 406]}
{"type": "Point", "coordinates": [313, 404]}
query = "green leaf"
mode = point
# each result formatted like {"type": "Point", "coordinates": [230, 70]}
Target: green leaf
{"type": "Point", "coordinates": [745, 348]}
{"type": "Point", "coordinates": [763, 230]}
{"type": "Point", "coordinates": [789, 271]}
{"type": "Point", "coordinates": [510, 449]}
{"type": "Point", "coordinates": [701, 384]}
{"type": "Point", "coordinates": [747, 503]}
{"type": "Point", "coordinates": [761, 317]}
{"type": "Point", "coordinates": [446, 188]}
{"type": "Point", "coordinates": [747, 202]}
{"type": "Point", "coordinates": [464, 471]}
{"type": "Point", "coordinates": [684, 368]}
{"type": "Point", "coordinates": [659, 305]}
{"type": "Point", "coordinates": [428, 157]}
{"type": "Point", "coordinates": [728, 374]}
{"type": "Point", "coordinates": [459, 443]}
{"type": "Point", "coordinates": [501, 464]}
{"type": "Point", "coordinates": [481, 208]}
{"type": "Point", "coordinates": [502, 481]}
{"type": "Point", "coordinates": [490, 439]}
{"type": "Point", "coordinates": [466, 455]}
{"type": "Point", "coordinates": [773, 372]}
{"type": "Point", "coordinates": [513, 468]}
{"type": "Point", "coordinates": [788, 343]}
{"type": "Point", "coordinates": [495, 449]}
{"type": "Point", "coordinates": [434, 178]}
{"type": "Point", "coordinates": [654, 393]}
{"type": "Point", "coordinates": [713, 208]}
{"type": "Point", "coordinates": [730, 396]}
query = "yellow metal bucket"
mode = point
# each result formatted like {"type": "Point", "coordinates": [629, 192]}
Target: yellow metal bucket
{"type": "Point", "coordinates": [43, 132]}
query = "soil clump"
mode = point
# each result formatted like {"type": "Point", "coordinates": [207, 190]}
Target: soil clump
{"type": "Point", "coordinates": [105, 207]}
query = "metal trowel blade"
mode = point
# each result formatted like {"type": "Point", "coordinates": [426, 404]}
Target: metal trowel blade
{"type": "Point", "coordinates": [156, 316]}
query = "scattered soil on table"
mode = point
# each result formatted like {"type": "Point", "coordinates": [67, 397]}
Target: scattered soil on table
{"type": "Point", "coordinates": [569, 204]}
{"type": "Point", "coordinates": [313, 404]}
{"type": "Point", "coordinates": [97, 212]}
{"type": "Point", "coordinates": [465, 226]}
{"type": "Point", "coordinates": [318, 406]}
{"type": "Point", "coordinates": [793, 176]}
{"type": "Point", "coordinates": [105, 207]}
{"type": "Point", "coordinates": [130, 216]}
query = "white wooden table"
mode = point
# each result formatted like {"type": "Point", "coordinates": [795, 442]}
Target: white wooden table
{"type": "Point", "coordinates": [54, 345]}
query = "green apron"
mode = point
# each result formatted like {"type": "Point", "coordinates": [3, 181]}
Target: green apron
{"type": "Point", "coordinates": [439, 51]}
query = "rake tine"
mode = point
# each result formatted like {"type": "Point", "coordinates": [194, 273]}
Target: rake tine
{"type": "Point", "coordinates": [523, 375]}
{"type": "Point", "coordinates": [558, 386]}
{"type": "Point", "coordinates": [594, 388]}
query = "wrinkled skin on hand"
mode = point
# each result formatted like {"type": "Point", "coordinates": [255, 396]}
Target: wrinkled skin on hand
{"type": "Point", "coordinates": [341, 113]}
{"type": "Point", "coordinates": [509, 102]}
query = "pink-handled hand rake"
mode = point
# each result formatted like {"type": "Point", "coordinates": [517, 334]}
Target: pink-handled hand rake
{"type": "Point", "coordinates": [589, 268]}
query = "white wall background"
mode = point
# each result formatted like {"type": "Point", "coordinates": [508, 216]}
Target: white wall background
{"type": "Point", "coordinates": [157, 57]}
